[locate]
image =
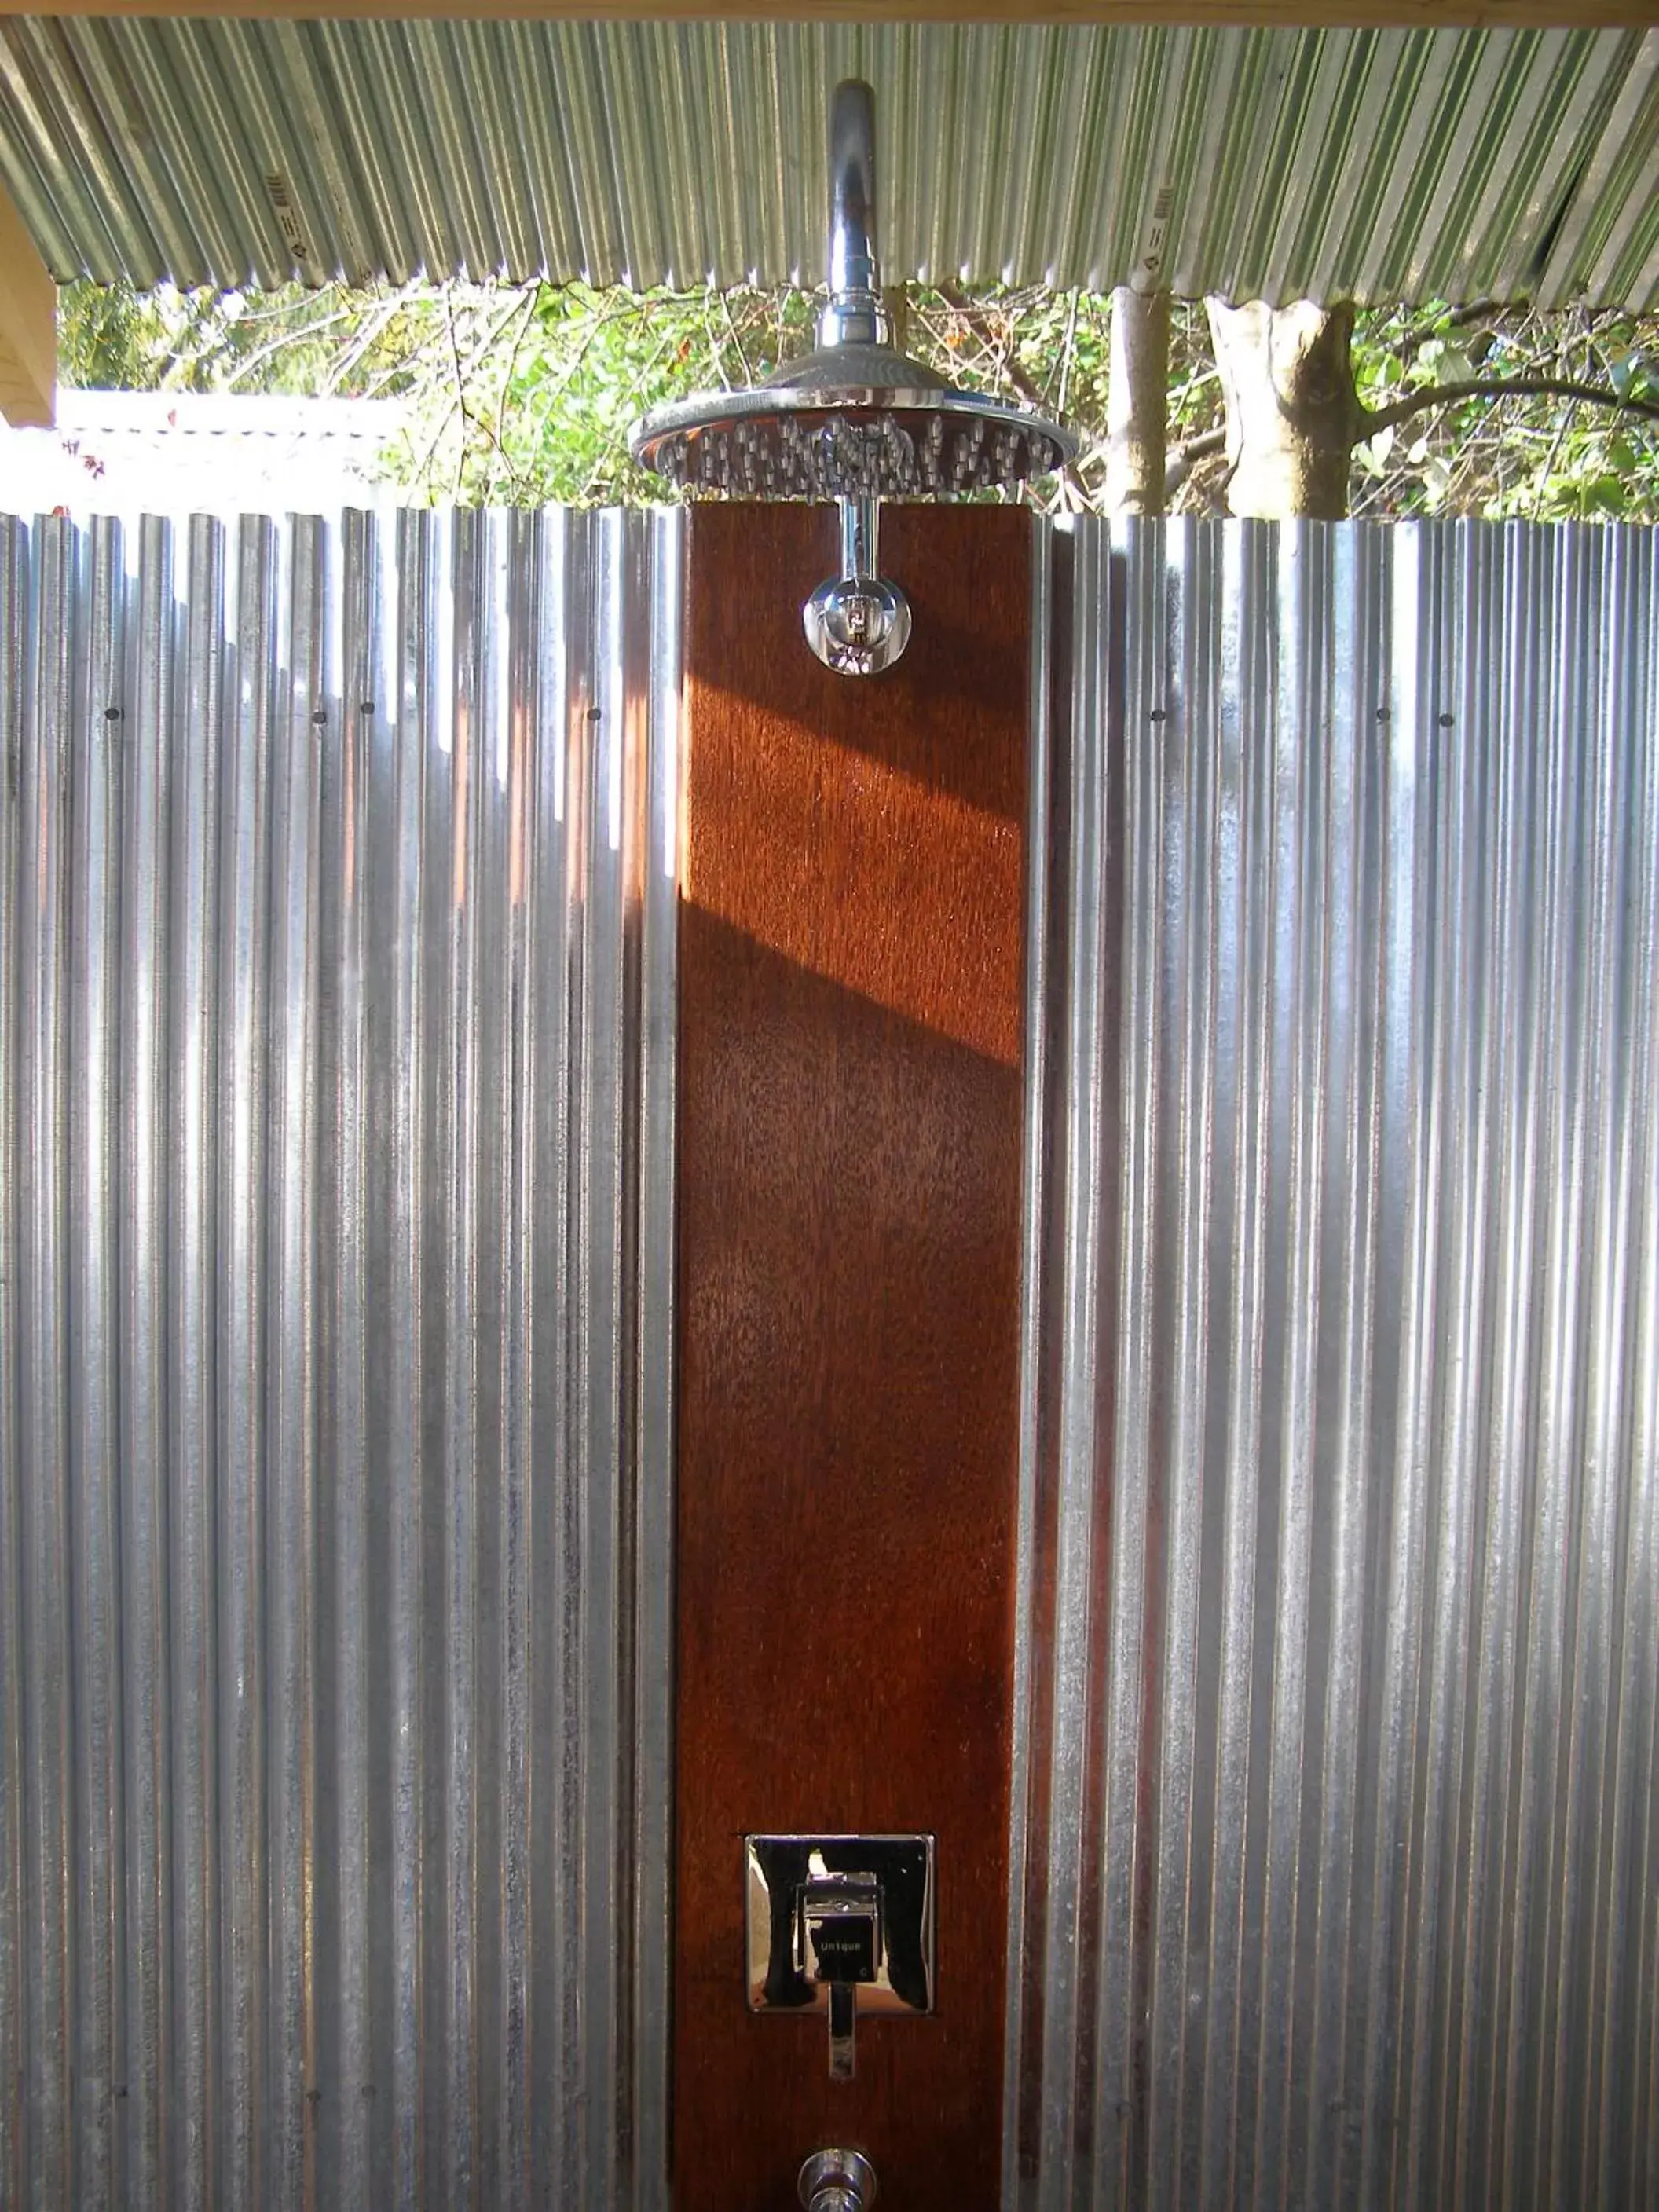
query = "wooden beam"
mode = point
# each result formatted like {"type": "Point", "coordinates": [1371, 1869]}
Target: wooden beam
{"type": "Point", "coordinates": [1333, 14]}
{"type": "Point", "coordinates": [28, 326]}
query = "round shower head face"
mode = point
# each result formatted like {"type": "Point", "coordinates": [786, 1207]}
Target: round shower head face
{"type": "Point", "coordinates": [847, 442]}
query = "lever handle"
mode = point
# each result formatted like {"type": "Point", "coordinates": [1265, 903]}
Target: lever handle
{"type": "Point", "coordinates": [843, 2025]}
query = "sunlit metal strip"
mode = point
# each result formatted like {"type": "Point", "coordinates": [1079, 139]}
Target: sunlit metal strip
{"type": "Point", "coordinates": [338, 898]}
{"type": "Point", "coordinates": [16, 630]}
{"type": "Point", "coordinates": [1340, 1813]}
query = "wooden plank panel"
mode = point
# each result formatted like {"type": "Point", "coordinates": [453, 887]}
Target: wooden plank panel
{"type": "Point", "coordinates": [850, 1101]}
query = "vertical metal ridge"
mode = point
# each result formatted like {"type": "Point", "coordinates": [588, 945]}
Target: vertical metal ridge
{"type": "Point", "coordinates": [1630, 704]}
{"type": "Point", "coordinates": [350, 1758]}
{"type": "Point", "coordinates": [1025, 1908]}
{"type": "Point", "coordinates": [1245, 891]}
{"type": "Point", "coordinates": [657, 630]}
{"type": "Point", "coordinates": [1353, 1662]}
{"type": "Point", "coordinates": [458, 1073]}
{"type": "Point", "coordinates": [339, 884]}
{"type": "Point", "coordinates": [240, 1334]}
{"type": "Point", "coordinates": [1130, 1591]}
{"type": "Point", "coordinates": [560, 584]}
{"type": "Point", "coordinates": [1349, 1265]}
{"type": "Point", "coordinates": [599, 1379]}
{"type": "Point", "coordinates": [300, 727]}
{"type": "Point", "coordinates": [1297, 1018]}
{"type": "Point", "coordinates": [192, 1362]}
{"type": "Point", "coordinates": [528, 773]}
{"type": "Point", "coordinates": [399, 1464]}
{"type": "Point", "coordinates": [140, 737]}
{"type": "Point", "coordinates": [1072, 1856]}
{"type": "Point", "coordinates": [1489, 1940]}
{"type": "Point", "coordinates": [1631, 1905]}
{"type": "Point", "coordinates": [1394, 1869]}
{"type": "Point", "coordinates": [52, 2000]}
{"type": "Point", "coordinates": [1556, 1442]}
{"type": "Point", "coordinates": [103, 1548]}
{"type": "Point", "coordinates": [17, 636]}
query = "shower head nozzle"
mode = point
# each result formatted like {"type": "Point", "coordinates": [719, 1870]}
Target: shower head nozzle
{"type": "Point", "coordinates": [824, 438]}
{"type": "Point", "coordinates": [854, 419]}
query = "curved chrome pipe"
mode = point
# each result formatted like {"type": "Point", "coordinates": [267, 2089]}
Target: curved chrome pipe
{"type": "Point", "coordinates": [854, 314]}
{"type": "Point", "coordinates": [858, 622]}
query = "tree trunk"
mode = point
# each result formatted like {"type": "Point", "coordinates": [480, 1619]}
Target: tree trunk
{"type": "Point", "coordinates": [1293, 415]}
{"type": "Point", "coordinates": [1137, 402]}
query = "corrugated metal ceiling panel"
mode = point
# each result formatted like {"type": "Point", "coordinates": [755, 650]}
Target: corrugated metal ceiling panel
{"type": "Point", "coordinates": [1383, 164]}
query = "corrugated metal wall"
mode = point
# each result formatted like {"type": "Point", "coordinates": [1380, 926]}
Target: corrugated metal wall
{"type": "Point", "coordinates": [1341, 1852]}
{"type": "Point", "coordinates": [335, 1220]}
{"type": "Point", "coordinates": [336, 878]}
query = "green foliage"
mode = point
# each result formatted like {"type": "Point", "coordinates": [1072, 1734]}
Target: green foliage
{"type": "Point", "coordinates": [526, 394]}
{"type": "Point", "coordinates": [1549, 458]}
{"type": "Point", "coordinates": [334, 341]}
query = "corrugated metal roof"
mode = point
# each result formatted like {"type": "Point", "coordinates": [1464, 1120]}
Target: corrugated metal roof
{"type": "Point", "coordinates": [1381, 164]}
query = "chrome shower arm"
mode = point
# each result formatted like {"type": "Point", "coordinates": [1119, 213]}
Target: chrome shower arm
{"type": "Point", "coordinates": [854, 314]}
{"type": "Point", "coordinates": [860, 521]}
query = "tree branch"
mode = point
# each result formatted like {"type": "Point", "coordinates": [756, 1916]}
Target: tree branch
{"type": "Point", "coordinates": [1183, 458]}
{"type": "Point", "coordinates": [959, 303]}
{"type": "Point", "coordinates": [1459, 318]}
{"type": "Point", "coordinates": [1373, 419]}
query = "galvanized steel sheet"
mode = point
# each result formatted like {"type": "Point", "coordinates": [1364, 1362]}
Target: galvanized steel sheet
{"type": "Point", "coordinates": [1380, 165]}
{"type": "Point", "coordinates": [1338, 1810]}
{"type": "Point", "coordinates": [337, 899]}
{"type": "Point", "coordinates": [337, 943]}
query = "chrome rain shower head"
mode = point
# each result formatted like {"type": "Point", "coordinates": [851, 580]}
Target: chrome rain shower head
{"type": "Point", "coordinates": [854, 421]}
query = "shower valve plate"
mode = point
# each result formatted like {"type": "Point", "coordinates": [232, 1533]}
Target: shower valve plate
{"type": "Point", "coordinates": [853, 1909]}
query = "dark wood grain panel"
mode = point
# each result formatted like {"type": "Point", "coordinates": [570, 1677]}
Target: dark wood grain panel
{"type": "Point", "coordinates": [849, 1164]}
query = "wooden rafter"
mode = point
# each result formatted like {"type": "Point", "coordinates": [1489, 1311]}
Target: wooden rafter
{"type": "Point", "coordinates": [28, 325]}
{"type": "Point", "coordinates": [1424, 15]}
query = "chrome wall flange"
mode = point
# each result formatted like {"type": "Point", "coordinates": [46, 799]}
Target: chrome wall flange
{"type": "Point", "coordinates": [858, 622]}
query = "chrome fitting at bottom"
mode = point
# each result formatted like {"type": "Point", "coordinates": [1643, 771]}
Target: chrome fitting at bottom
{"type": "Point", "coordinates": [837, 2181]}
